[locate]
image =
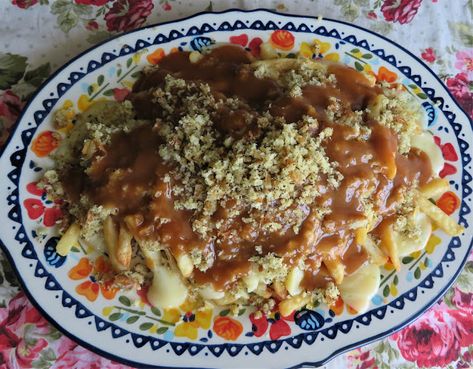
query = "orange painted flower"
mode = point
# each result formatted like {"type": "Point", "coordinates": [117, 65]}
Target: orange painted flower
{"type": "Point", "coordinates": [227, 328]}
{"type": "Point", "coordinates": [448, 202]}
{"type": "Point", "coordinates": [282, 40]}
{"type": "Point", "coordinates": [90, 288]}
{"type": "Point", "coordinates": [338, 306]}
{"type": "Point", "coordinates": [155, 56]}
{"type": "Point", "coordinates": [45, 143]}
{"type": "Point", "coordinates": [384, 74]}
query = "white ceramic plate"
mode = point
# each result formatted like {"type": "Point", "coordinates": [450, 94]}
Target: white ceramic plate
{"type": "Point", "coordinates": [121, 326]}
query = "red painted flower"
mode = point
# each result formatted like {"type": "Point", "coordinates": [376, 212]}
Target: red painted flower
{"type": "Point", "coordinates": [459, 86]}
{"type": "Point", "coordinates": [120, 94]}
{"type": "Point", "coordinates": [402, 11]}
{"type": "Point", "coordinates": [92, 2]}
{"type": "Point", "coordinates": [126, 15]}
{"type": "Point", "coordinates": [432, 340]}
{"type": "Point", "coordinates": [36, 208]}
{"type": "Point", "coordinates": [255, 46]}
{"type": "Point", "coordinates": [24, 4]}
{"type": "Point", "coordinates": [277, 324]}
{"type": "Point", "coordinates": [449, 154]}
{"type": "Point", "coordinates": [428, 55]}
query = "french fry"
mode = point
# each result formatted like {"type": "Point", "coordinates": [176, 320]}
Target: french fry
{"type": "Point", "coordinates": [280, 290]}
{"type": "Point", "coordinates": [389, 246]}
{"type": "Point", "coordinates": [286, 307]}
{"type": "Point", "coordinates": [434, 188]}
{"type": "Point", "coordinates": [185, 265]}
{"type": "Point", "coordinates": [442, 220]}
{"type": "Point", "coordinates": [377, 256]}
{"type": "Point", "coordinates": [335, 268]}
{"type": "Point", "coordinates": [124, 251]}
{"type": "Point", "coordinates": [111, 242]}
{"type": "Point", "coordinates": [68, 240]}
{"type": "Point", "coordinates": [361, 235]}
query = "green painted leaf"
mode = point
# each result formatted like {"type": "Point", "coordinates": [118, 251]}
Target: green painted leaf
{"type": "Point", "coordinates": [74, 249]}
{"type": "Point", "coordinates": [386, 291]}
{"type": "Point", "coordinates": [162, 330]}
{"type": "Point", "coordinates": [36, 76]}
{"type": "Point", "coordinates": [396, 280]}
{"type": "Point", "coordinates": [115, 316]}
{"type": "Point", "coordinates": [124, 300]}
{"type": "Point", "coordinates": [156, 311]}
{"type": "Point", "coordinates": [135, 74]}
{"type": "Point", "coordinates": [413, 86]}
{"type": "Point", "coordinates": [90, 90]}
{"type": "Point", "coordinates": [426, 262]}
{"type": "Point", "coordinates": [100, 80]}
{"type": "Point", "coordinates": [146, 326]}
{"type": "Point", "coordinates": [417, 273]}
{"type": "Point", "coordinates": [241, 312]}
{"type": "Point", "coordinates": [132, 319]}
{"type": "Point", "coordinates": [358, 66]}
{"type": "Point", "coordinates": [128, 62]}
{"type": "Point", "coordinates": [407, 259]}
{"type": "Point", "coordinates": [224, 312]}
{"type": "Point", "coordinates": [355, 51]}
{"type": "Point", "coordinates": [421, 95]}
{"type": "Point", "coordinates": [12, 68]}
{"type": "Point", "coordinates": [108, 92]}
{"type": "Point", "coordinates": [367, 56]}
{"type": "Point", "coordinates": [119, 72]}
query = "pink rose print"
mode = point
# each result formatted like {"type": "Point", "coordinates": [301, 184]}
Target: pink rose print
{"type": "Point", "coordinates": [92, 26]}
{"type": "Point", "coordinates": [166, 6]}
{"type": "Point", "coordinates": [428, 55]}
{"type": "Point", "coordinates": [10, 107]}
{"type": "Point", "coordinates": [402, 11]}
{"type": "Point", "coordinates": [460, 88]}
{"type": "Point", "coordinates": [464, 62]}
{"type": "Point", "coordinates": [80, 358]}
{"type": "Point", "coordinates": [463, 301]}
{"type": "Point", "coordinates": [92, 2]}
{"type": "Point", "coordinates": [126, 15]}
{"type": "Point", "coordinates": [24, 4]}
{"type": "Point", "coordinates": [27, 352]}
{"type": "Point", "coordinates": [436, 338]}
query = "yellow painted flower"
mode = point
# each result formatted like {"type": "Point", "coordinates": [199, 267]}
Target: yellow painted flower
{"type": "Point", "coordinates": [192, 322]}
{"type": "Point", "coordinates": [172, 315]}
{"type": "Point", "coordinates": [318, 48]}
{"type": "Point", "coordinates": [83, 103]}
{"type": "Point", "coordinates": [432, 244]}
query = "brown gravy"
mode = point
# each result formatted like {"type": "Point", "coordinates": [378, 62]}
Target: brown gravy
{"type": "Point", "coordinates": [130, 174]}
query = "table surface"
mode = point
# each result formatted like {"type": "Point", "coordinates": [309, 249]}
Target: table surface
{"type": "Point", "coordinates": [38, 36]}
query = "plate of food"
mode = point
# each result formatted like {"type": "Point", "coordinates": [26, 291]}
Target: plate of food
{"type": "Point", "coordinates": [238, 189]}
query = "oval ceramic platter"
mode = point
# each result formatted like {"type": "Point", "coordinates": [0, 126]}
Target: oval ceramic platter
{"type": "Point", "coordinates": [123, 326]}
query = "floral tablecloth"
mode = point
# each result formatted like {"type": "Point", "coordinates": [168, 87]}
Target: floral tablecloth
{"type": "Point", "coordinates": [38, 36]}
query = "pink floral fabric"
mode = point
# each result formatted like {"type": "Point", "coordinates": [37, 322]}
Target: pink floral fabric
{"type": "Point", "coordinates": [438, 31]}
